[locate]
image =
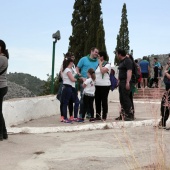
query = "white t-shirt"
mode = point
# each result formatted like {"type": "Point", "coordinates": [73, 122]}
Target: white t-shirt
{"type": "Point", "coordinates": [103, 79]}
{"type": "Point", "coordinates": [73, 70]}
{"type": "Point", "coordinates": [90, 86]}
{"type": "Point", "coordinates": [66, 79]}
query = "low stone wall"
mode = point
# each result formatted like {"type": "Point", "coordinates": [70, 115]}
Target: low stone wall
{"type": "Point", "coordinates": [21, 110]}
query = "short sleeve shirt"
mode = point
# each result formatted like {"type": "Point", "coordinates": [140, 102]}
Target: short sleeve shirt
{"type": "Point", "coordinates": [66, 79]}
{"type": "Point", "coordinates": [124, 65]}
{"type": "Point", "coordinates": [85, 64]}
{"type": "Point", "coordinates": [90, 86]}
{"type": "Point", "coordinates": [103, 79]}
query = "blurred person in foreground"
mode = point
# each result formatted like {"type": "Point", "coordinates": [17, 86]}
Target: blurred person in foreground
{"type": "Point", "coordinates": [3, 86]}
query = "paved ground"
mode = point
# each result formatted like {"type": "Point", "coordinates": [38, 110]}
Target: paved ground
{"type": "Point", "coordinates": [126, 145]}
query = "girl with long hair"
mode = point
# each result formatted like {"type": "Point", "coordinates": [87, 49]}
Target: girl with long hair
{"type": "Point", "coordinates": [68, 91]}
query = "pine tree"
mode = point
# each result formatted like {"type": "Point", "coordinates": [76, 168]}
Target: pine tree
{"type": "Point", "coordinates": [123, 37]}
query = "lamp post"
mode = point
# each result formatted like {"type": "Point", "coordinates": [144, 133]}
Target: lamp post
{"type": "Point", "coordinates": [56, 36]}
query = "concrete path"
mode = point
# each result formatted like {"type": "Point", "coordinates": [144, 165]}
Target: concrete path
{"type": "Point", "coordinates": [48, 144]}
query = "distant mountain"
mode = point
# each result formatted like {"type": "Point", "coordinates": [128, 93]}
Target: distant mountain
{"type": "Point", "coordinates": [17, 91]}
{"type": "Point", "coordinates": [32, 83]}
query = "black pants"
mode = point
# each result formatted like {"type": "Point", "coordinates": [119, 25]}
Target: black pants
{"type": "Point", "coordinates": [88, 104]}
{"type": "Point", "coordinates": [3, 92]}
{"type": "Point", "coordinates": [165, 115]}
{"type": "Point", "coordinates": [125, 100]}
{"type": "Point", "coordinates": [101, 101]}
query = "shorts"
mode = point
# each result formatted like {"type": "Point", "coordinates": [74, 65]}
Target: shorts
{"type": "Point", "coordinates": [145, 75]}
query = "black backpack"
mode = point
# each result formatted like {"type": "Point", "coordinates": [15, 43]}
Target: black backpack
{"type": "Point", "coordinates": [135, 73]}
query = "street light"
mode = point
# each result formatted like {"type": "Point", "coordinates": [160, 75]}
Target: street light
{"type": "Point", "coordinates": [56, 36]}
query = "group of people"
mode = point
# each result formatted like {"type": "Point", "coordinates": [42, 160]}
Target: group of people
{"type": "Point", "coordinates": [146, 80]}
{"type": "Point", "coordinates": [92, 74]}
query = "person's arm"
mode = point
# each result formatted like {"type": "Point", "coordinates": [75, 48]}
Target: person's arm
{"type": "Point", "coordinates": [70, 76]}
{"type": "Point", "coordinates": [129, 75]}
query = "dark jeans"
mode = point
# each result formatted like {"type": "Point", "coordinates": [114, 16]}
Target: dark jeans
{"type": "Point", "coordinates": [3, 92]}
{"type": "Point", "coordinates": [82, 103]}
{"type": "Point", "coordinates": [76, 107]}
{"type": "Point", "coordinates": [165, 115]}
{"type": "Point", "coordinates": [88, 103]}
{"type": "Point", "coordinates": [71, 103]}
{"type": "Point", "coordinates": [68, 93]}
{"type": "Point", "coordinates": [101, 101]}
{"type": "Point", "coordinates": [125, 100]}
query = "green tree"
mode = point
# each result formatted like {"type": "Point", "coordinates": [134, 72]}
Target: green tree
{"type": "Point", "coordinates": [123, 36]}
{"type": "Point", "coordinates": [116, 61]}
{"type": "Point", "coordinates": [47, 86]}
{"type": "Point", "coordinates": [101, 37]}
{"type": "Point", "coordinates": [79, 28]}
{"type": "Point", "coordinates": [87, 28]}
{"type": "Point", "coordinates": [93, 22]}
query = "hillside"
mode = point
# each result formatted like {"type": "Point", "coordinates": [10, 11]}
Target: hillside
{"type": "Point", "coordinates": [17, 91]}
{"type": "Point", "coordinates": [32, 83]}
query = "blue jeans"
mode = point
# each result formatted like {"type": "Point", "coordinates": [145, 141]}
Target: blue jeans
{"type": "Point", "coordinates": [68, 94]}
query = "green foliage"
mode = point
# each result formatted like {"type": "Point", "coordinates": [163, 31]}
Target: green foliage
{"type": "Point", "coordinates": [87, 28]}
{"type": "Point", "coordinates": [101, 37]}
{"type": "Point", "coordinates": [79, 28]}
{"type": "Point", "coordinates": [32, 83]}
{"type": "Point", "coordinates": [123, 36]}
{"type": "Point", "coordinates": [47, 86]}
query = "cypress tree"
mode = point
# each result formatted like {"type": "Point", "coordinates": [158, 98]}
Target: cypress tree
{"type": "Point", "coordinates": [79, 28]}
{"type": "Point", "coordinates": [93, 23]}
{"type": "Point", "coordinates": [101, 37]}
{"type": "Point", "coordinates": [123, 37]}
{"type": "Point", "coordinates": [87, 28]}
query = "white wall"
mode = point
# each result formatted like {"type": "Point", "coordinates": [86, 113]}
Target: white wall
{"type": "Point", "coordinates": [21, 110]}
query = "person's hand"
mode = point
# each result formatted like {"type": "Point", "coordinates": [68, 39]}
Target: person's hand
{"type": "Point", "coordinates": [127, 86]}
{"type": "Point", "coordinates": [100, 62]}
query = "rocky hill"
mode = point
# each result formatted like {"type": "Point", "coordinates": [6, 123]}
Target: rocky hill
{"type": "Point", "coordinates": [17, 91]}
{"type": "Point", "coordinates": [28, 81]}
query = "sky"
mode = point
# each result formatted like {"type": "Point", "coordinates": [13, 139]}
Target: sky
{"type": "Point", "coordinates": [27, 26]}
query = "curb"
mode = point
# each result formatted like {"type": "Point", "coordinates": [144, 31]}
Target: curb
{"type": "Point", "coordinates": [87, 127]}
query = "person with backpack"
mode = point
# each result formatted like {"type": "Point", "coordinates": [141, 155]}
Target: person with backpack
{"type": "Point", "coordinates": [134, 80]}
{"type": "Point", "coordinates": [125, 85]}
{"type": "Point", "coordinates": [102, 85]}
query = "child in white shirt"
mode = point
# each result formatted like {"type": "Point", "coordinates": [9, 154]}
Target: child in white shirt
{"type": "Point", "coordinates": [88, 95]}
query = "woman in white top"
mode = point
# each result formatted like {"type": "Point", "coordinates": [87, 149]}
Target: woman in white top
{"type": "Point", "coordinates": [68, 92]}
{"type": "Point", "coordinates": [102, 86]}
{"type": "Point", "coordinates": [88, 95]}
{"type": "Point", "coordinates": [76, 103]}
